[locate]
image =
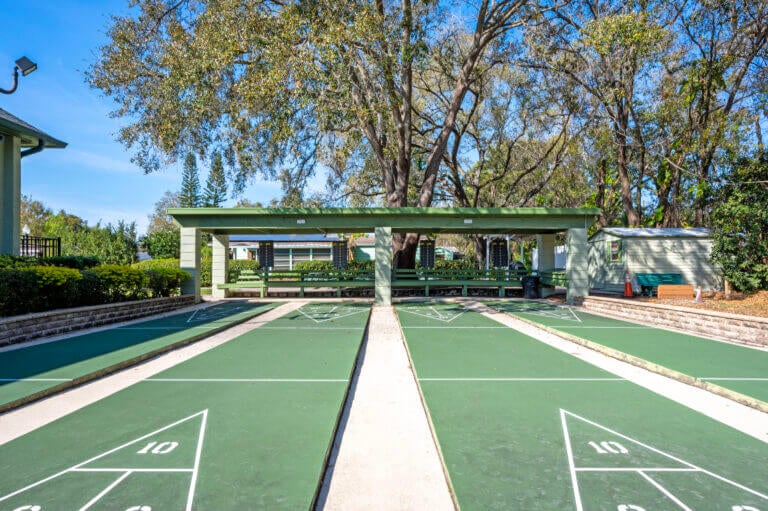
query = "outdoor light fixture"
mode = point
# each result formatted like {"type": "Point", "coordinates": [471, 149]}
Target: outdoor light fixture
{"type": "Point", "coordinates": [467, 220]}
{"type": "Point", "coordinates": [301, 221]}
{"type": "Point", "coordinates": [24, 65]}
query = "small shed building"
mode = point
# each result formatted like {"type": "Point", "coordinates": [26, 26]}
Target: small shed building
{"type": "Point", "coordinates": [614, 250]}
{"type": "Point", "coordinates": [289, 249]}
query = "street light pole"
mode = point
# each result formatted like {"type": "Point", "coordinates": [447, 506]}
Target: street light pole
{"type": "Point", "coordinates": [24, 65]}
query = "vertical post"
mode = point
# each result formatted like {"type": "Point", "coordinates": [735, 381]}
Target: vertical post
{"type": "Point", "coordinates": [577, 265]}
{"type": "Point", "coordinates": [190, 260]}
{"type": "Point", "coordinates": [220, 264]}
{"type": "Point", "coordinates": [383, 258]}
{"type": "Point", "coordinates": [545, 243]}
{"type": "Point", "coordinates": [10, 194]}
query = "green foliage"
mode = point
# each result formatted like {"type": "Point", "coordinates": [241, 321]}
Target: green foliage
{"type": "Point", "coordinates": [165, 276]}
{"type": "Point", "coordinates": [206, 270]}
{"type": "Point", "coordinates": [117, 283]}
{"type": "Point", "coordinates": [189, 196]}
{"type": "Point", "coordinates": [163, 243]}
{"type": "Point", "coordinates": [456, 264]}
{"type": "Point", "coordinates": [76, 262]}
{"type": "Point", "coordinates": [236, 266]}
{"type": "Point", "coordinates": [10, 262]}
{"type": "Point", "coordinates": [216, 186]}
{"type": "Point", "coordinates": [361, 265]}
{"type": "Point", "coordinates": [38, 288]}
{"type": "Point", "coordinates": [313, 265]}
{"type": "Point", "coordinates": [159, 219]}
{"type": "Point", "coordinates": [113, 244]}
{"type": "Point", "coordinates": [740, 225]}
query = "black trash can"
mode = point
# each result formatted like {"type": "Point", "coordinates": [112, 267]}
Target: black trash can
{"type": "Point", "coordinates": [530, 286]}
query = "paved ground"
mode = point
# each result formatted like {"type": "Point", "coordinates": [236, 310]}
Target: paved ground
{"type": "Point", "coordinates": [245, 420]}
{"type": "Point", "coordinates": [525, 426]}
{"type": "Point", "coordinates": [35, 369]}
{"type": "Point", "coordinates": [246, 425]}
{"type": "Point", "coordinates": [740, 368]}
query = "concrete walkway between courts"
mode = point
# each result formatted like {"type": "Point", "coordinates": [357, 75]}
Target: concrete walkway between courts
{"type": "Point", "coordinates": [386, 458]}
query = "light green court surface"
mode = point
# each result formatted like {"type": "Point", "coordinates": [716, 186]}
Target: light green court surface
{"type": "Point", "coordinates": [734, 367]}
{"type": "Point", "coordinates": [522, 425]}
{"type": "Point", "coordinates": [245, 426]}
{"type": "Point", "coordinates": [32, 370]}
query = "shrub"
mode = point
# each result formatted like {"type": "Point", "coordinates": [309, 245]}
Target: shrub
{"type": "Point", "coordinates": [118, 283]}
{"type": "Point", "coordinates": [38, 288]}
{"type": "Point", "coordinates": [163, 243]}
{"type": "Point", "coordinates": [166, 281]}
{"type": "Point", "coordinates": [236, 266]}
{"type": "Point", "coordinates": [313, 265]}
{"type": "Point", "coordinates": [17, 262]}
{"type": "Point", "coordinates": [361, 265]}
{"type": "Point", "coordinates": [151, 264]}
{"type": "Point", "coordinates": [76, 262]}
{"type": "Point", "coordinates": [19, 291]}
{"type": "Point", "coordinates": [456, 264]}
{"type": "Point", "coordinates": [206, 264]}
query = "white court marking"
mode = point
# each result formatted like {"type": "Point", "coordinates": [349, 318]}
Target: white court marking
{"type": "Point", "coordinates": [244, 380]}
{"type": "Point", "coordinates": [614, 448]}
{"type": "Point", "coordinates": [81, 467]}
{"type": "Point", "coordinates": [210, 314]}
{"type": "Point", "coordinates": [432, 313]}
{"type": "Point", "coordinates": [15, 380]}
{"type": "Point", "coordinates": [321, 313]}
{"type": "Point", "coordinates": [521, 379]}
{"type": "Point", "coordinates": [543, 310]}
{"type": "Point", "coordinates": [733, 379]}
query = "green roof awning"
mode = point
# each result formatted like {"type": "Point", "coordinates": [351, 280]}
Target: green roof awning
{"type": "Point", "coordinates": [29, 135]}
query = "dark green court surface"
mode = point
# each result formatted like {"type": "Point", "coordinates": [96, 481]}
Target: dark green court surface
{"type": "Point", "coordinates": [734, 367]}
{"type": "Point", "coordinates": [522, 425]}
{"type": "Point", "coordinates": [245, 426]}
{"type": "Point", "coordinates": [34, 371]}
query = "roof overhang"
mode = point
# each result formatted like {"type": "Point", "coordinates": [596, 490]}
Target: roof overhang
{"type": "Point", "coordinates": [350, 220]}
{"type": "Point", "coordinates": [30, 136]}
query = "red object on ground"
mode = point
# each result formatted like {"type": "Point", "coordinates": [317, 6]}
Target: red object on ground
{"type": "Point", "coordinates": [627, 285]}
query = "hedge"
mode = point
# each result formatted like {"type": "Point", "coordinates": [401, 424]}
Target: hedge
{"type": "Point", "coordinates": [313, 266]}
{"type": "Point", "coordinates": [34, 288]}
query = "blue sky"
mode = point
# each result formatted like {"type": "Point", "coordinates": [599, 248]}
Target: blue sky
{"type": "Point", "coordinates": [93, 177]}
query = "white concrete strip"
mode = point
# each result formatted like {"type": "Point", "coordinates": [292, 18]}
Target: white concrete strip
{"type": "Point", "coordinates": [740, 417]}
{"type": "Point", "coordinates": [18, 422]}
{"type": "Point", "coordinates": [387, 458]}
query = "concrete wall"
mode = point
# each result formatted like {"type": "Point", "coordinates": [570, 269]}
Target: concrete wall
{"type": "Point", "coordinates": [687, 256]}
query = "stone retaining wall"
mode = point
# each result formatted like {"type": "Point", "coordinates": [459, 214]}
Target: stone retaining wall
{"type": "Point", "coordinates": [716, 325]}
{"type": "Point", "coordinates": [42, 324]}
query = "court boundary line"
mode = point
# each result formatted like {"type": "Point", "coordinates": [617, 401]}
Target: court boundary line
{"type": "Point", "coordinates": [524, 379]}
{"type": "Point", "coordinates": [431, 306]}
{"type": "Point", "coordinates": [632, 360]}
{"type": "Point", "coordinates": [696, 468]}
{"type": "Point", "coordinates": [338, 316]}
{"type": "Point", "coordinates": [75, 468]}
{"type": "Point", "coordinates": [134, 361]}
{"type": "Point", "coordinates": [244, 380]}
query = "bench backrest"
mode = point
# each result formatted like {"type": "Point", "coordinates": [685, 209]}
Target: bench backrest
{"type": "Point", "coordinates": [655, 279]}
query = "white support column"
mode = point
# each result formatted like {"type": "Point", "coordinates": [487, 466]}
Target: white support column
{"type": "Point", "coordinates": [220, 264]}
{"type": "Point", "coordinates": [577, 265]}
{"type": "Point", "coordinates": [10, 194]}
{"type": "Point", "coordinates": [383, 258]}
{"type": "Point", "coordinates": [190, 260]}
{"type": "Point", "coordinates": [545, 243]}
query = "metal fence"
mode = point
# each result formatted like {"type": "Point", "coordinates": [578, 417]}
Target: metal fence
{"type": "Point", "coordinates": [37, 246]}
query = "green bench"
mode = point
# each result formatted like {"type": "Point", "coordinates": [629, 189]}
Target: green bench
{"type": "Point", "coordinates": [265, 279]}
{"type": "Point", "coordinates": [465, 279]}
{"type": "Point", "coordinates": [649, 282]}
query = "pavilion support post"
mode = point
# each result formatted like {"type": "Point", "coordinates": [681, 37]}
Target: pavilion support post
{"type": "Point", "coordinates": [190, 260]}
{"type": "Point", "coordinates": [577, 265]}
{"type": "Point", "coordinates": [545, 244]}
{"type": "Point", "coordinates": [220, 265]}
{"type": "Point", "coordinates": [383, 256]}
{"type": "Point", "coordinates": [10, 194]}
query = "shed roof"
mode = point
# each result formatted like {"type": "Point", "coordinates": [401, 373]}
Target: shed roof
{"type": "Point", "coordinates": [30, 136]}
{"type": "Point", "coordinates": [647, 232]}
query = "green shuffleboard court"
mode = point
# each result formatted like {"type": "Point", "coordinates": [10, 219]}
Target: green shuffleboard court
{"type": "Point", "coordinates": [739, 368]}
{"type": "Point", "coordinates": [244, 426]}
{"type": "Point", "coordinates": [28, 372]}
{"type": "Point", "coordinates": [522, 425]}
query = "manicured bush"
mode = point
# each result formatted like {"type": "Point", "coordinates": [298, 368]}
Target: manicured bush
{"type": "Point", "coordinates": [165, 276]}
{"type": "Point", "coordinates": [456, 264]}
{"type": "Point", "coordinates": [206, 265]}
{"type": "Point", "coordinates": [19, 291]}
{"type": "Point", "coordinates": [313, 266]}
{"type": "Point", "coordinates": [361, 265]}
{"type": "Point", "coordinates": [38, 288]}
{"type": "Point", "coordinates": [76, 262]}
{"type": "Point", "coordinates": [236, 266]}
{"type": "Point", "coordinates": [120, 283]}
{"type": "Point", "coordinates": [17, 262]}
